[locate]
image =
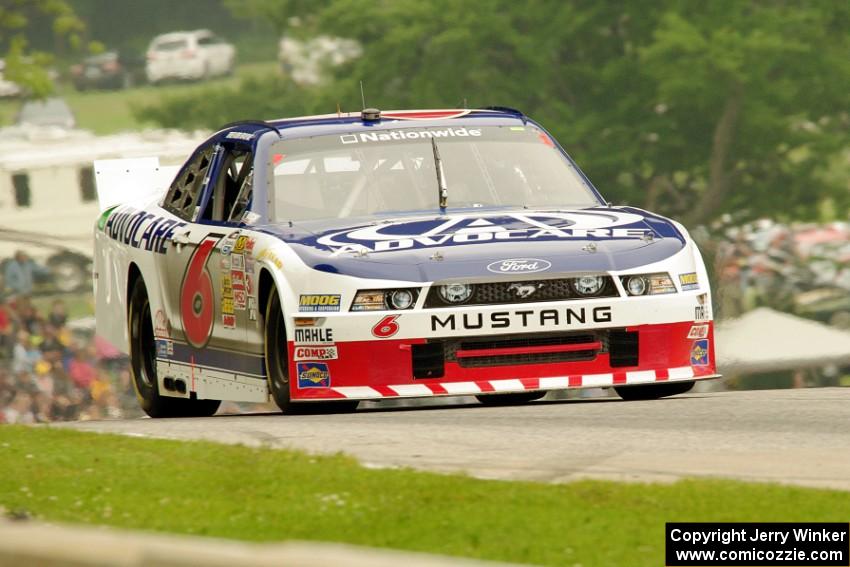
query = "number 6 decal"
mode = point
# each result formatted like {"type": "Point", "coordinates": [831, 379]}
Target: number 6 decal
{"type": "Point", "coordinates": [196, 295]}
{"type": "Point", "coordinates": [386, 327]}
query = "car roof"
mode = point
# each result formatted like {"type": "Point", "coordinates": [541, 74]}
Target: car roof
{"type": "Point", "coordinates": [320, 124]}
{"type": "Point", "coordinates": [173, 36]}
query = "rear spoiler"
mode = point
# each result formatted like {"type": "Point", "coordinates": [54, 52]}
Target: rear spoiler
{"type": "Point", "coordinates": [130, 180]}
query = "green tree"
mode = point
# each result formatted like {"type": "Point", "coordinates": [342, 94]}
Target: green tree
{"type": "Point", "coordinates": [694, 109]}
{"type": "Point", "coordinates": [24, 66]}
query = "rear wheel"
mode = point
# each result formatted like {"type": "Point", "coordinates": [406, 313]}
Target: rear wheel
{"type": "Point", "coordinates": [509, 399]}
{"type": "Point", "coordinates": [277, 366]}
{"type": "Point", "coordinates": [653, 391]}
{"type": "Point", "coordinates": [143, 365]}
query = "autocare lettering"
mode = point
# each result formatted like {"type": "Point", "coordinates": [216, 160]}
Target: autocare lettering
{"type": "Point", "coordinates": [313, 336]}
{"type": "Point", "coordinates": [520, 319]}
{"type": "Point", "coordinates": [141, 229]}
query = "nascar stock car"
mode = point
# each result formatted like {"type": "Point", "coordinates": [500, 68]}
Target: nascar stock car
{"type": "Point", "coordinates": [324, 260]}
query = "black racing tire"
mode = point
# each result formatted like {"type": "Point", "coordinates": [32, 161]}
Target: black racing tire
{"type": "Point", "coordinates": [143, 365]}
{"type": "Point", "coordinates": [509, 399]}
{"type": "Point", "coordinates": [277, 367]}
{"type": "Point", "coordinates": [653, 391]}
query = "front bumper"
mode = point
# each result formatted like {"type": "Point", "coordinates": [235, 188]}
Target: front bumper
{"type": "Point", "coordinates": [557, 360]}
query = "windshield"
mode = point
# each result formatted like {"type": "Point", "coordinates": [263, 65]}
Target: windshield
{"type": "Point", "coordinates": [392, 171]}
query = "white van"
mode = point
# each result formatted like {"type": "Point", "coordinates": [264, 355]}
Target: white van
{"type": "Point", "coordinates": [190, 55]}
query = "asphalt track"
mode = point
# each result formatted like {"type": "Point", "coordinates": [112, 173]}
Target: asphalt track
{"type": "Point", "coordinates": [790, 436]}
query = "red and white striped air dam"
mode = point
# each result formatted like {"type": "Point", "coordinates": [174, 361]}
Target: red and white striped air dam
{"type": "Point", "coordinates": [520, 384]}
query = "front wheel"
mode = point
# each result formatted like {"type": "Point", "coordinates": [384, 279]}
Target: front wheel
{"type": "Point", "coordinates": [277, 367]}
{"type": "Point", "coordinates": [653, 391]}
{"type": "Point", "coordinates": [143, 365]}
{"type": "Point", "coordinates": [509, 399]}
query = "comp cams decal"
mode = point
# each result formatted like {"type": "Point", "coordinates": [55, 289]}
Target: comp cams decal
{"type": "Point", "coordinates": [473, 229]}
{"type": "Point", "coordinates": [698, 332]}
{"type": "Point", "coordinates": [322, 352]}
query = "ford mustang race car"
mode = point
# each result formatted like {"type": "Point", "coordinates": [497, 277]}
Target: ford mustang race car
{"type": "Point", "coordinates": [325, 260]}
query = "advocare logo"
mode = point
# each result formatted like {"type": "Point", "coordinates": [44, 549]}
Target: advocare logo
{"type": "Point", "coordinates": [453, 230]}
{"type": "Point", "coordinates": [519, 266]}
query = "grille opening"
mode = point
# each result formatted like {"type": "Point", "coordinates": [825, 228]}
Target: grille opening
{"type": "Point", "coordinates": [506, 292]}
{"type": "Point", "coordinates": [596, 342]}
{"type": "Point", "coordinates": [428, 360]}
{"type": "Point", "coordinates": [623, 347]}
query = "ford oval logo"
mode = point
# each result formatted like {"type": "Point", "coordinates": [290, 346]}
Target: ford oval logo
{"type": "Point", "coordinates": [519, 266]}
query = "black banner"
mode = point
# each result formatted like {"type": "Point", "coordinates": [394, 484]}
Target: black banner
{"type": "Point", "coordinates": [757, 544]}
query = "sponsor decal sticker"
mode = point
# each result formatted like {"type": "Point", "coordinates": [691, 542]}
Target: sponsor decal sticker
{"type": "Point", "coordinates": [400, 135]}
{"type": "Point", "coordinates": [225, 262]}
{"type": "Point", "coordinates": [474, 229]}
{"type": "Point", "coordinates": [313, 336]}
{"type": "Point", "coordinates": [241, 242]}
{"type": "Point", "coordinates": [228, 320]}
{"type": "Point", "coordinates": [267, 254]}
{"type": "Point", "coordinates": [313, 375]}
{"type": "Point", "coordinates": [328, 352]}
{"type": "Point", "coordinates": [239, 299]}
{"type": "Point", "coordinates": [240, 136]}
{"type": "Point", "coordinates": [688, 281]}
{"type": "Point", "coordinates": [699, 353]}
{"type": "Point", "coordinates": [237, 279]}
{"type": "Point", "coordinates": [698, 332]}
{"type": "Point", "coordinates": [319, 302]}
{"type": "Point", "coordinates": [519, 266]}
{"type": "Point", "coordinates": [161, 326]}
{"type": "Point", "coordinates": [164, 348]}
{"type": "Point", "coordinates": [141, 229]}
{"type": "Point", "coordinates": [702, 311]}
{"type": "Point", "coordinates": [237, 261]}
{"type": "Point", "coordinates": [227, 249]}
{"type": "Point", "coordinates": [227, 305]}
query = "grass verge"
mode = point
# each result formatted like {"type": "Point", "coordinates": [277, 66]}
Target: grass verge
{"type": "Point", "coordinates": [265, 495]}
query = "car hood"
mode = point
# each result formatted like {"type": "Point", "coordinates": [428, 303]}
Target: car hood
{"type": "Point", "coordinates": [421, 248]}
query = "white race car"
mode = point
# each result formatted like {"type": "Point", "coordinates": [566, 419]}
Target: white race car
{"type": "Point", "coordinates": [324, 260]}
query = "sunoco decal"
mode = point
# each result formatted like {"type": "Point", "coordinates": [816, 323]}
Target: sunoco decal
{"type": "Point", "coordinates": [473, 229]}
{"type": "Point", "coordinates": [313, 375]}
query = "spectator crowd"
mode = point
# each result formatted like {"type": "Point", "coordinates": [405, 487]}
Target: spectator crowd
{"type": "Point", "coordinates": [49, 372]}
{"type": "Point", "coordinates": [797, 268]}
